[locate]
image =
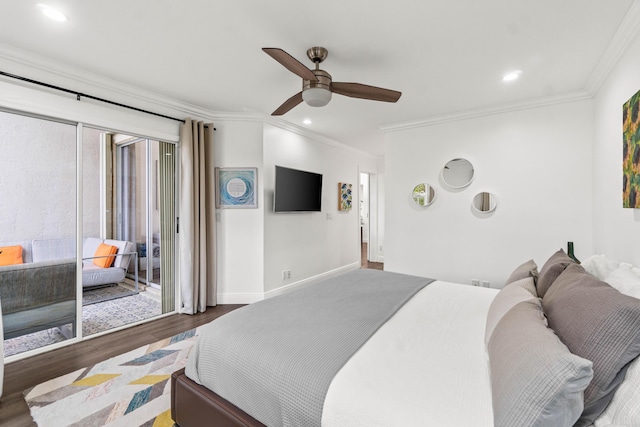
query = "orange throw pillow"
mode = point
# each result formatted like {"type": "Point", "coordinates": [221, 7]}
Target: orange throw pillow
{"type": "Point", "coordinates": [11, 255]}
{"type": "Point", "coordinates": [102, 251]}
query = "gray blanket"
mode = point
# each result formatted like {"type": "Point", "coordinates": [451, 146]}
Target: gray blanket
{"type": "Point", "coordinates": [275, 359]}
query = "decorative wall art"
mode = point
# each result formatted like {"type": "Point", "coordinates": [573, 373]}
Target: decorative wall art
{"type": "Point", "coordinates": [237, 188]}
{"type": "Point", "coordinates": [345, 197]}
{"type": "Point", "coordinates": [631, 152]}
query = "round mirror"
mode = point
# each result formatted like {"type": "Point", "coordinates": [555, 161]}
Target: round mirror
{"type": "Point", "coordinates": [458, 173]}
{"type": "Point", "coordinates": [423, 194]}
{"type": "Point", "coordinates": [484, 202]}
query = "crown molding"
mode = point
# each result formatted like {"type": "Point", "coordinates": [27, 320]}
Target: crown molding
{"type": "Point", "coordinates": [482, 112]}
{"type": "Point", "coordinates": [35, 67]}
{"type": "Point", "coordinates": [290, 127]}
{"type": "Point", "coordinates": [625, 34]}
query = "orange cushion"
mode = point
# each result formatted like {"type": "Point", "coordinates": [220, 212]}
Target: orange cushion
{"type": "Point", "coordinates": [102, 251]}
{"type": "Point", "coordinates": [10, 255]}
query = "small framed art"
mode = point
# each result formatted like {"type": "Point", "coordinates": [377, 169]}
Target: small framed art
{"type": "Point", "coordinates": [345, 198]}
{"type": "Point", "coordinates": [237, 188]}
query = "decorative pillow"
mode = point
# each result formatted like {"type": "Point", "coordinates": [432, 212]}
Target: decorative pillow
{"type": "Point", "coordinates": [103, 251]}
{"type": "Point", "coordinates": [599, 266]}
{"type": "Point", "coordinates": [626, 279]}
{"type": "Point", "coordinates": [535, 379]}
{"type": "Point", "coordinates": [509, 296]}
{"type": "Point", "coordinates": [551, 270]}
{"type": "Point", "coordinates": [624, 409]}
{"type": "Point", "coordinates": [526, 269]}
{"type": "Point", "coordinates": [11, 255]}
{"type": "Point", "coordinates": [596, 322]}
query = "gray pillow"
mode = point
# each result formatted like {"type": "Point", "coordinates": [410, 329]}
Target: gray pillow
{"type": "Point", "coordinates": [518, 291]}
{"type": "Point", "coordinates": [598, 323]}
{"type": "Point", "coordinates": [535, 380]}
{"type": "Point", "coordinates": [526, 269]}
{"type": "Point", "coordinates": [550, 271]}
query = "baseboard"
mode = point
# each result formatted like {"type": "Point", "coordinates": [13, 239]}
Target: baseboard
{"type": "Point", "coordinates": [310, 280]}
{"type": "Point", "coordinates": [239, 298]}
{"type": "Point", "coordinates": [250, 298]}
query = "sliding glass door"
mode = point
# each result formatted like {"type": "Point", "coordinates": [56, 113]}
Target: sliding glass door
{"type": "Point", "coordinates": [132, 196]}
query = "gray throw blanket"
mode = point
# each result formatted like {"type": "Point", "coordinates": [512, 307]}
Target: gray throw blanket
{"type": "Point", "coordinates": [275, 359]}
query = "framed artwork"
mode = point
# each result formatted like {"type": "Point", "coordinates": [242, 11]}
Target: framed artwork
{"type": "Point", "coordinates": [237, 188]}
{"type": "Point", "coordinates": [631, 152]}
{"type": "Point", "coordinates": [345, 198]}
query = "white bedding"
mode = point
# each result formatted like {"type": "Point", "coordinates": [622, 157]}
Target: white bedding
{"type": "Point", "coordinates": [427, 365]}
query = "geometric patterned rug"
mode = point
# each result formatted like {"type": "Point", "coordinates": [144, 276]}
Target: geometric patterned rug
{"type": "Point", "coordinates": [132, 389]}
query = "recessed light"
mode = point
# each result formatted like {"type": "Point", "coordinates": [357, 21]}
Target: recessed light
{"type": "Point", "coordinates": [307, 121]}
{"type": "Point", "coordinates": [511, 76]}
{"type": "Point", "coordinates": [52, 13]}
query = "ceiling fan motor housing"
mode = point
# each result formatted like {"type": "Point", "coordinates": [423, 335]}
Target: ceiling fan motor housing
{"type": "Point", "coordinates": [317, 93]}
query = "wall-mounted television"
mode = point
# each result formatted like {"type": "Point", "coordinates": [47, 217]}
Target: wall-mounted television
{"type": "Point", "coordinates": [297, 191]}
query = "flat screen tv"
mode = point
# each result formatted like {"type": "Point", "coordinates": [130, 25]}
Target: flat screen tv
{"type": "Point", "coordinates": [297, 191]}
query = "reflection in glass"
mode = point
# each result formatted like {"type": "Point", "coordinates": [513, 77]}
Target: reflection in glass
{"type": "Point", "coordinates": [38, 223]}
{"type": "Point", "coordinates": [458, 173]}
{"type": "Point", "coordinates": [423, 194]}
{"type": "Point", "coordinates": [484, 202]}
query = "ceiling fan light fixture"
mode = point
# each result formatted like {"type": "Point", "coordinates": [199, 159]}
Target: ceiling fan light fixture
{"type": "Point", "coordinates": [316, 96]}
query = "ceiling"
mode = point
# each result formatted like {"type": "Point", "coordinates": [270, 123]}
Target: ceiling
{"type": "Point", "coordinates": [445, 56]}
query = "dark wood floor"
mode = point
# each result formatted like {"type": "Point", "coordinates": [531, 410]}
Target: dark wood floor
{"type": "Point", "coordinates": [26, 373]}
{"type": "Point", "coordinates": [364, 263]}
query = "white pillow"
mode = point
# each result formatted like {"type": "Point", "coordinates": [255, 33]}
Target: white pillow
{"type": "Point", "coordinates": [599, 266]}
{"type": "Point", "coordinates": [624, 409]}
{"type": "Point", "coordinates": [625, 279]}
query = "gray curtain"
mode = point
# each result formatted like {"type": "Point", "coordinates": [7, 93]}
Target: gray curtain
{"type": "Point", "coordinates": [197, 218]}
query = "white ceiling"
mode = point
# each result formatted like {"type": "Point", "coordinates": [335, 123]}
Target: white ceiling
{"type": "Point", "coordinates": [445, 56]}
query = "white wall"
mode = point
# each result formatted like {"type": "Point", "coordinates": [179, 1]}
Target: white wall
{"type": "Point", "coordinates": [538, 164]}
{"type": "Point", "coordinates": [616, 230]}
{"type": "Point", "coordinates": [309, 244]}
{"type": "Point", "coordinates": [240, 232]}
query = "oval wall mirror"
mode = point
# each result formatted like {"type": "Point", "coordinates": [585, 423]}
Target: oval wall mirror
{"type": "Point", "coordinates": [458, 173]}
{"type": "Point", "coordinates": [423, 194]}
{"type": "Point", "coordinates": [484, 202]}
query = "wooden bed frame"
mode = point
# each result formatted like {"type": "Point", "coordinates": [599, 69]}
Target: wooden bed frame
{"type": "Point", "coordinates": [191, 404]}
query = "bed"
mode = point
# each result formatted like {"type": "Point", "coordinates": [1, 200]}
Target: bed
{"type": "Point", "coordinates": [555, 347]}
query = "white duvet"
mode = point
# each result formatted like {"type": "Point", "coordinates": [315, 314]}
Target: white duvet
{"type": "Point", "coordinates": [427, 366]}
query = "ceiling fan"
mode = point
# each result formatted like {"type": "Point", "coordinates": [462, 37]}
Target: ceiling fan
{"type": "Point", "coordinates": [317, 85]}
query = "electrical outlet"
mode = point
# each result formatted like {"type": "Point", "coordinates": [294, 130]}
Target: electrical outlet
{"type": "Point", "coordinates": [486, 284]}
{"type": "Point", "coordinates": [288, 274]}
{"type": "Point", "coordinates": [475, 282]}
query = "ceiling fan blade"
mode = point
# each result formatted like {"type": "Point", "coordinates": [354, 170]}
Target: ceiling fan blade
{"type": "Point", "coordinates": [290, 63]}
{"type": "Point", "coordinates": [288, 104]}
{"type": "Point", "coordinates": [358, 90]}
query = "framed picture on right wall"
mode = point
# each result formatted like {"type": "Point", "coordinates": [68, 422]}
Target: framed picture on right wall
{"type": "Point", "coordinates": [631, 152]}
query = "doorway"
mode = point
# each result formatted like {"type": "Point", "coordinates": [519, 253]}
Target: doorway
{"type": "Point", "coordinates": [368, 221]}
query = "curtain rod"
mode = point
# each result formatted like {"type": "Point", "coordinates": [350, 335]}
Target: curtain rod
{"type": "Point", "coordinates": [80, 94]}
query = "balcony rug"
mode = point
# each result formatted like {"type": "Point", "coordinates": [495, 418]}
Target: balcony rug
{"type": "Point", "coordinates": [97, 317]}
{"type": "Point", "coordinates": [133, 389]}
